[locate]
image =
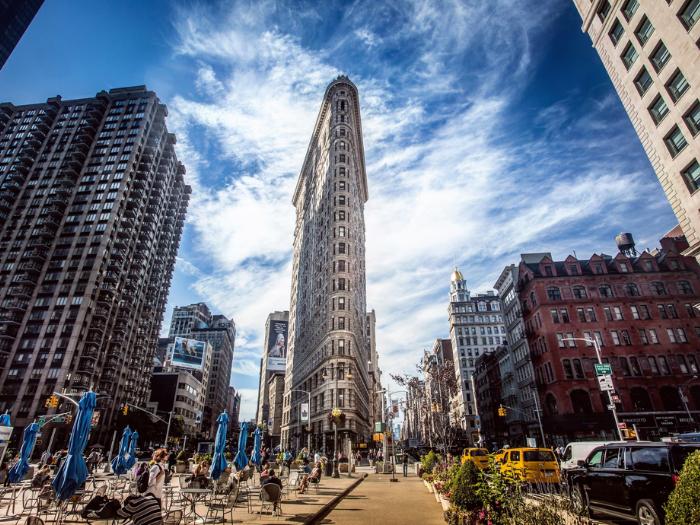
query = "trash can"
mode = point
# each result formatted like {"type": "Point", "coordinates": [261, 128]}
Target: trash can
{"type": "Point", "coordinates": [329, 468]}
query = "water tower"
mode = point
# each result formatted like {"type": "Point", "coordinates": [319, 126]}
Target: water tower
{"type": "Point", "coordinates": [625, 243]}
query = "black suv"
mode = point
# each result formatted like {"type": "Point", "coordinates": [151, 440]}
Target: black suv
{"type": "Point", "coordinates": [628, 480]}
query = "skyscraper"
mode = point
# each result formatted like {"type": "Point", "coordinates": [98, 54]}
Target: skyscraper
{"type": "Point", "coordinates": [476, 326]}
{"type": "Point", "coordinates": [649, 50]}
{"type": "Point", "coordinates": [328, 350]}
{"type": "Point", "coordinates": [196, 321]}
{"type": "Point", "coordinates": [92, 205]}
{"type": "Point", "coordinates": [15, 17]}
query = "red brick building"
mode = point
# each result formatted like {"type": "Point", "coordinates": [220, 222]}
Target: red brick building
{"type": "Point", "coordinates": [640, 309]}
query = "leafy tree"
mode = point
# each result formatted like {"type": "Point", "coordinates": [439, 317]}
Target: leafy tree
{"type": "Point", "coordinates": [683, 504]}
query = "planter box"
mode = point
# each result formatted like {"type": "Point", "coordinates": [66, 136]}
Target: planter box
{"type": "Point", "coordinates": [445, 503]}
{"type": "Point", "coordinates": [436, 494]}
{"type": "Point", "coordinates": [429, 485]}
{"type": "Point", "coordinates": [180, 468]}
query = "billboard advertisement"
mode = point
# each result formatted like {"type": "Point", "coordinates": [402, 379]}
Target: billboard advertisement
{"type": "Point", "coordinates": [304, 413]}
{"type": "Point", "coordinates": [189, 353]}
{"type": "Point", "coordinates": [277, 346]}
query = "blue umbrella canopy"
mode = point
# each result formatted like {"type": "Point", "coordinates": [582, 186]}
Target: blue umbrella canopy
{"type": "Point", "coordinates": [20, 468]}
{"type": "Point", "coordinates": [241, 460]}
{"type": "Point", "coordinates": [218, 462]}
{"type": "Point", "coordinates": [119, 463]}
{"type": "Point", "coordinates": [73, 471]}
{"type": "Point", "coordinates": [5, 420]}
{"type": "Point", "coordinates": [256, 456]}
{"type": "Point", "coordinates": [131, 461]}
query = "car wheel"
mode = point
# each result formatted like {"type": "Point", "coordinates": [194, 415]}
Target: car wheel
{"type": "Point", "coordinates": [646, 513]}
{"type": "Point", "coordinates": [579, 501]}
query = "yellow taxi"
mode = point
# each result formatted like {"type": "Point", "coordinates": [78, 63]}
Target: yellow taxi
{"type": "Point", "coordinates": [479, 456]}
{"type": "Point", "coordinates": [498, 455]}
{"type": "Point", "coordinates": [531, 465]}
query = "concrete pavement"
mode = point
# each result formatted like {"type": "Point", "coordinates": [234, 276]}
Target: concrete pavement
{"type": "Point", "coordinates": [378, 501]}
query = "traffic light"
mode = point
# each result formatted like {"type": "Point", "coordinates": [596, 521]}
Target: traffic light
{"type": "Point", "coordinates": [51, 401]}
{"type": "Point", "coordinates": [502, 411]}
{"type": "Point", "coordinates": [628, 433]}
{"type": "Point", "coordinates": [125, 409]}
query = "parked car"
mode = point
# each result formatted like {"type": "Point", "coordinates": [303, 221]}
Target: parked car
{"type": "Point", "coordinates": [629, 481]}
{"type": "Point", "coordinates": [478, 456]}
{"type": "Point", "coordinates": [531, 465]}
{"type": "Point", "coordinates": [577, 451]}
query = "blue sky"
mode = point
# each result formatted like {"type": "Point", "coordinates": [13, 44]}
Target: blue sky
{"type": "Point", "coordinates": [490, 129]}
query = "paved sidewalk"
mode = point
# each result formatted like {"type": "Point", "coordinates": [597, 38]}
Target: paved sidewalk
{"type": "Point", "coordinates": [378, 501]}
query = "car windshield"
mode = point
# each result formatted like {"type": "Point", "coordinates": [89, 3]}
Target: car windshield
{"type": "Point", "coordinates": [478, 453]}
{"type": "Point", "coordinates": [679, 455]}
{"type": "Point", "coordinates": [538, 455]}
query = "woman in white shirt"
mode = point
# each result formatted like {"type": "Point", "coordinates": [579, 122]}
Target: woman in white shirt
{"type": "Point", "coordinates": [156, 474]}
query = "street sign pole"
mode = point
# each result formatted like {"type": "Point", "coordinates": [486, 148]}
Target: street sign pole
{"type": "Point", "coordinates": [53, 433]}
{"type": "Point", "coordinates": [601, 366]}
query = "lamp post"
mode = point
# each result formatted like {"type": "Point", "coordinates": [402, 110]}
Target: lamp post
{"type": "Point", "coordinates": [612, 406]}
{"type": "Point", "coordinates": [308, 437]}
{"type": "Point", "coordinates": [684, 399]}
{"type": "Point", "coordinates": [336, 412]}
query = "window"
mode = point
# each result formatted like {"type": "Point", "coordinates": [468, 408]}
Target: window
{"type": "Point", "coordinates": [613, 458]}
{"type": "Point", "coordinates": [654, 367]}
{"type": "Point", "coordinates": [616, 32]}
{"type": "Point", "coordinates": [680, 335]}
{"type": "Point", "coordinates": [581, 315]}
{"type": "Point", "coordinates": [605, 291]}
{"type": "Point", "coordinates": [632, 290]}
{"type": "Point", "coordinates": [662, 311]}
{"type": "Point", "coordinates": [624, 365]}
{"type": "Point", "coordinates": [578, 369]}
{"type": "Point", "coordinates": [560, 341]}
{"type": "Point", "coordinates": [603, 10]}
{"type": "Point", "coordinates": [671, 335]}
{"type": "Point", "coordinates": [653, 337]}
{"type": "Point", "coordinates": [660, 57]}
{"type": "Point", "coordinates": [615, 337]}
{"type": "Point", "coordinates": [658, 288]}
{"type": "Point", "coordinates": [643, 336]}
{"type": "Point", "coordinates": [608, 313]}
{"type": "Point", "coordinates": [629, 55]}
{"type": "Point", "coordinates": [553, 293]}
{"type": "Point", "coordinates": [555, 315]}
{"type": "Point", "coordinates": [675, 141]}
{"type": "Point", "coordinates": [677, 86]}
{"type": "Point", "coordinates": [591, 315]}
{"type": "Point", "coordinates": [617, 311]}
{"type": "Point", "coordinates": [568, 371]}
{"type": "Point", "coordinates": [691, 174]}
{"type": "Point", "coordinates": [685, 288]}
{"type": "Point", "coordinates": [658, 109]}
{"type": "Point", "coordinates": [644, 30]}
{"type": "Point", "coordinates": [579, 292]}
{"type": "Point", "coordinates": [692, 119]}
{"type": "Point", "coordinates": [650, 458]}
{"type": "Point", "coordinates": [630, 8]}
{"type": "Point", "coordinates": [635, 312]}
{"type": "Point", "coordinates": [690, 13]}
{"type": "Point", "coordinates": [663, 365]}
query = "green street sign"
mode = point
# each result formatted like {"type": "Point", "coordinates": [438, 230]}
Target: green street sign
{"type": "Point", "coordinates": [603, 369]}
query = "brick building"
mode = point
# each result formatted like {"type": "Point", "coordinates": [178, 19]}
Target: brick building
{"type": "Point", "coordinates": [640, 308]}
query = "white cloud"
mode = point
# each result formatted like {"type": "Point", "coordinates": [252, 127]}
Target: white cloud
{"type": "Point", "coordinates": [451, 181]}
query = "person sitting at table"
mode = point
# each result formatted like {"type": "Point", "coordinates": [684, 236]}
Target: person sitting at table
{"type": "Point", "coordinates": [200, 478]}
{"type": "Point", "coordinates": [271, 478]}
{"type": "Point", "coordinates": [265, 471]}
{"type": "Point", "coordinates": [143, 509]}
{"type": "Point", "coordinates": [306, 469]}
{"type": "Point", "coordinates": [42, 477]}
{"type": "Point", "coordinates": [314, 477]}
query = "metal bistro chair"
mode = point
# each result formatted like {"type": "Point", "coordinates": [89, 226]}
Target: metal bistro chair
{"type": "Point", "coordinates": [271, 497]}
{"type": "Point", "coordinates": [292, 484]}
{"type": "Point", "coordinates": [34, 520]}
{"type": "Point", "coordinates": [174, 517]}
{"type": "Point", "coordinates": [222, 503]}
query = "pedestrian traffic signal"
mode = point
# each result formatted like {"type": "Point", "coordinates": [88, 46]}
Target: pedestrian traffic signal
{"type": "Point", "coordinates": [125, 409]}
{"type": "Point", "coordinates": [502, 411]}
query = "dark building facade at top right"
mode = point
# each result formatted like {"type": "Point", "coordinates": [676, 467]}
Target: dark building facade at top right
{"type": "Point", "coordinates": [640, 309]}
{"type": "Point", "coordinates": [650, 50]}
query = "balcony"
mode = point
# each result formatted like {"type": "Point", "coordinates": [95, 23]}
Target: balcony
{"type": "Point", "coordinates": [15, 305]}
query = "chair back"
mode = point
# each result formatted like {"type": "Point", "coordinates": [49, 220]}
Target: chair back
{"type": "Point", "coordinates": [293, 479]}
{"type": "Point", "coordinates": [271, 492]}
{"type": "Point", "coordinates": [174, 517]}
{"type": "Point", "coordinates": [34, 520]}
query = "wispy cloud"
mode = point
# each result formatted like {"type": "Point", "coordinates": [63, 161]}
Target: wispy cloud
{"type": "Point", "coordinates": [459, 172]}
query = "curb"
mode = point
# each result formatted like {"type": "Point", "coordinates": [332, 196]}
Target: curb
{"type": "Point", "coordinates": [328, 507]}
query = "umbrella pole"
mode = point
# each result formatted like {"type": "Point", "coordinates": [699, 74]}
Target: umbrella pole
{"type": "Point", "coordinates": [53, 434]}
{"type": "Point", "coordinates": [109, 456]}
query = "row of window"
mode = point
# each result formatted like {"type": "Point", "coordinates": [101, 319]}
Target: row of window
{"type": "Point", "coordinates": [657, 288]}
{"type": "Point", "coordinates": [620, 337]}
{"type": "Point", "coordinates": [615, 313]}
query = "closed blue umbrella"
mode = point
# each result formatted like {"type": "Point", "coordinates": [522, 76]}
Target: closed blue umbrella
{"type": "Point", "coordinates": [20, 468]}
{"type": "Point", "coordinates": [73, 471]}
{"type": "Point", "coordinates": [5, 420]}
{"type": "Point", "coordinates": [119, 463]}
{"type": "Point", "coordinates": [218, 462]}
{"type": "Point", "coordinates": [241, 460]}
{"type": "Point", "coordinates": [131, 461]}
{"type": "Point", "coordinates": [256, 456]}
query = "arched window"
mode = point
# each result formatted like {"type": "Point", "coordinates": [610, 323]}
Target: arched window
{"type": "Point", "coordinates": [658, 288]}
{"type": "Point", "coordinates": [581, 402]}
{"type": "Point", "coordinates": [605, 290]}
{"type": "Point", "coordinates": [579, 292]}
{"type": "Point", "coordinates": [553, 293]}
{"type": "Point", "coordinates": [533, 298]}
{"type": "Point", "coordinates": [634, 365]}
{"type": "Point", "coordinates": [632, 290]}
{"type": "Point", "coordinates": [550, 404]}
{"type": "Point", "coordinates": [670, 398]}
{"type": "Point", "coordinates": [640, 399]}
{"type": "Point", "coordinates": [685, 288]}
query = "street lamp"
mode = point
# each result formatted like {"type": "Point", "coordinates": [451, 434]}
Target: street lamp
{"type": "Point", "coordinates": [684, 399]}
{"type": "Point", "coordinates": [336, 412]}
{"type": "Point", "coordinates": [612, 406]}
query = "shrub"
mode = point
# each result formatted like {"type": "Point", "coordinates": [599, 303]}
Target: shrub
{"type": "Point", "coordinates": [429, 461]}
{"type": "Point", "coordinates": [683, 504]}
{"type": "Point", "coordinates": [462, 487]}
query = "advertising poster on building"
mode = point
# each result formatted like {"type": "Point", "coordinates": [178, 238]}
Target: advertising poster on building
{"type": "Point", "coordinates": [304, 412]}
{"type": "Point", "coordinates": [189, 353]}
{"type": "Point", "coordinates": [277, 347]}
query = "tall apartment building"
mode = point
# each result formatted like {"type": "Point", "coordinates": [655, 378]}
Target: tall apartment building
{"type": "Point", "coordinates": [328, 351]}
{"type": "Point", "coordinates": [196, 321]}
{"type": "Point", "coordinates": [15, 17]}
{"type": "Point", "coordinates": [639, 308]}
{"type": "Point", "coordinates": [376, 404]}
{"type": "Point", "coordinates": [233, 407]}
{"type": "Point", "coordinates": [650, 50]}
{"type": "Point", "coordinates": [438, 394]}
{"type": "Point", "coordinates": [518, 376]}
{"type": "Point", "coordinates": [92, 205]}
{"type": "Point", "coordinates": [476, 326]}
{"type": "Point", "coordinates": [276, 329]}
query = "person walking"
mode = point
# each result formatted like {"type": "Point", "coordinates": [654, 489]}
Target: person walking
{"type": "Point", "coordinates": [156, 475]}
{"type": "Point", "coordinates": [405, 465]}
